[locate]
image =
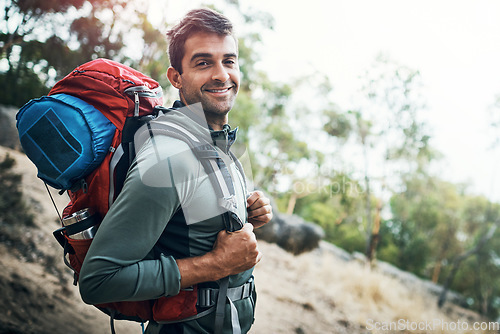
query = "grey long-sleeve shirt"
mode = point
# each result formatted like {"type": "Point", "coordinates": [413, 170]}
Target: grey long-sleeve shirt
{"type": "Point", "coordinates": [131, 257]}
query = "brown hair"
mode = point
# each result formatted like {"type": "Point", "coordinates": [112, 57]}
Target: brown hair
{"type": "Point", "coordinates": [196, 20]}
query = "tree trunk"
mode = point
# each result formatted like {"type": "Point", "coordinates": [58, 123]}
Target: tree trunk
{"type": "Point", "coordinates": [375, 234]}
{"type": "Point", "coordinates": [291, 203]}
{"type": "Point", "coordinates": [368, 206]}
{"type": "Point", "coordinates": [442, 256]}
{"type": "Point", "coordinates": [437, 271]}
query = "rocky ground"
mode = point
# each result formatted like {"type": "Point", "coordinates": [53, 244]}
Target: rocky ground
{"type": "Point", "coordinates": [315, 292]}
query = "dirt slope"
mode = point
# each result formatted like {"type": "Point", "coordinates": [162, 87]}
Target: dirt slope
{"type": "Point", "coordinates": [310, 293]}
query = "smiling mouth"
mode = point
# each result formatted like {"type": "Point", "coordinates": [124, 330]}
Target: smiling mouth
{"type": "Point", "coordinates": [219, 90]}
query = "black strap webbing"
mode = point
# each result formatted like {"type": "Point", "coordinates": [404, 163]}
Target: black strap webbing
{"type": "Point", "coordinates": [222, 299]}
{"type": "Point", "coordinates": [221, 305]}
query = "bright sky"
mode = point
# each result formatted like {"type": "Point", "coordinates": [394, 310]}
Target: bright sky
{"type": "Point", "coordinates": [454, 45]}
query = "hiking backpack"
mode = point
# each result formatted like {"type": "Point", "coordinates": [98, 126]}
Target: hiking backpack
{"type": "Point", "coordinates": [77, 137]}
{"type": "Point", "coordinates": [81, 138]}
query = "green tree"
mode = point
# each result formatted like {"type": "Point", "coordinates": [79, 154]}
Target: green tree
{"type": "Point", "coordinates": [296, 149]}
{"type": "Point", "coordinates": [73, 32]}
{"type": "Point", "coordinates": [443, 234]}
{"type": "Point", "coordinates": [393, 139]}
{"type": "Point", "coordinates": [23, 66]}
{"type": "Point", "coordinates": [425, 225]}
{"type": "Point", "coordinates": [475, 270]}
{"type": "Point", "coordinates": [337, 208]}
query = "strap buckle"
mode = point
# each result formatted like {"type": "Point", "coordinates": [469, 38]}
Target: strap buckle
{"type": "Point", "coordinates": [228, 203]}
{"type": "Point", "coordinates": [206, 297]}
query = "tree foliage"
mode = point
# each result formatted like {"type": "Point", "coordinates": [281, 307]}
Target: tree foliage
{"type": "Point", "coordinates": [42, 41]}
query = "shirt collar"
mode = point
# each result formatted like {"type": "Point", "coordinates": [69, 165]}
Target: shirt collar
{"type": "Point", "coordinates": [223, 139]}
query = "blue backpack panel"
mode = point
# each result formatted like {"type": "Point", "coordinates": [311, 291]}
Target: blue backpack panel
{"type": "Point", "coordinates": [65, 137]}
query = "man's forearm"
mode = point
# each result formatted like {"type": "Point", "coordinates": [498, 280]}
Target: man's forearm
{"type": "Point", "coordinates": [233, 253]}
{"type": "Point", "coordinates": [198, 269]}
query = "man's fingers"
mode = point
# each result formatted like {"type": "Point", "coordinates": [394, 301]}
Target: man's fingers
{"type": "Point", "coordinates": [247, 227]}
{"type": "Point", "coordinates": [254, 197]}
{"type": "Point", "coordinates": [259, 257]}
{"type": "Point", "coordinates": [264, 210]}
{"type": "Point", "coordinates": [260, 203]}
{"type": "Point", "coordinates": [262, 218]}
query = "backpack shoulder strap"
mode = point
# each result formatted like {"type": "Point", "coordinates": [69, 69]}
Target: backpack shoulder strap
{"type": "Point", "coordinates": [222, 182]}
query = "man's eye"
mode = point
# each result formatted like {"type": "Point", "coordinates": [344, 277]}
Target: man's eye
{"type": "Point", "coordinates": [202, 63]}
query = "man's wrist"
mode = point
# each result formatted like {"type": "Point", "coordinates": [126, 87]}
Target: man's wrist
{"type": "Point", "coordinates": [204, 268]}
{"type": "Point", "coordinates": [214, 267]}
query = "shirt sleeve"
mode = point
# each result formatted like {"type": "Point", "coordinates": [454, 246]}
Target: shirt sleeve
{"type": "Point", "coordinates": [117, 267]}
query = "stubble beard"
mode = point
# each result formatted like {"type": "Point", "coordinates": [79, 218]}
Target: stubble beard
{"type": "Point", "coordinates": [217, 109]}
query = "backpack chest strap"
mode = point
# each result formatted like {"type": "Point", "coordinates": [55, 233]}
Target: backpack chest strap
{"type": "Point", "coordinates": [207, 297]}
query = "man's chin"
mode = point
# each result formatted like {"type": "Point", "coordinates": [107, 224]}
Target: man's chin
{"type": "Point", "coordinates": [219, 109]}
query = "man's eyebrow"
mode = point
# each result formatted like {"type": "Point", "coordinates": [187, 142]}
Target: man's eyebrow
{"type": "Point", "coordinates": [209, 55]}
{"type": "Point", "coordinates": [201, 55]}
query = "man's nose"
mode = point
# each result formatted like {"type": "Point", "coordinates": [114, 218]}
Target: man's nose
{"type": "Point", "coordinates": [220, 73]}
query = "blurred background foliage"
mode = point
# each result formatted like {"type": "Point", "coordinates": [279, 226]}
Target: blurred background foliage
{"type": "Point", "coordinates": [388, 205]}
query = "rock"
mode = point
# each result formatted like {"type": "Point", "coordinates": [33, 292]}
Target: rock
{"type": "Point", "coordinates": [329, 248]}
{"type": "Point", "coordinates": [291, 233]}
{"type": "Point", "coordinates": [8, 132]}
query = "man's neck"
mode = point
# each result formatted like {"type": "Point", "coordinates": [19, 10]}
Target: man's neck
{"type": "Point", "coordinates": [216, 124]}
{"type": "Point", "coordinates": [214, 121]}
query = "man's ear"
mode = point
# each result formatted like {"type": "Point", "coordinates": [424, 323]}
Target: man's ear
{"type": "Point", "coordinates": [174, 77]}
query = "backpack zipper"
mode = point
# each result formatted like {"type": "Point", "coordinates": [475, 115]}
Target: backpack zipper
{"type": "Point", "coordinates": [136, 110]}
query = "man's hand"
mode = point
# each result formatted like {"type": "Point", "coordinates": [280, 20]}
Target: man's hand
{"type": "Point", "coordinates": [233, 253]}
{"type": "Point", "coordinates": [236, 251]}
{"type": "Point", "coordinates": [259, 209]}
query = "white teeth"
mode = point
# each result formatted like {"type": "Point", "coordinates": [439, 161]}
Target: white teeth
{"type": "Point", "coordinates": [218, 90]}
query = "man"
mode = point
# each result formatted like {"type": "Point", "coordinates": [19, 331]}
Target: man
{"type": "Point", "coordinates": [166, 232]}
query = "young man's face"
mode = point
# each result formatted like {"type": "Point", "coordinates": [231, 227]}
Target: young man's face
{"type": "Point", "coordinates": [210, 73]}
